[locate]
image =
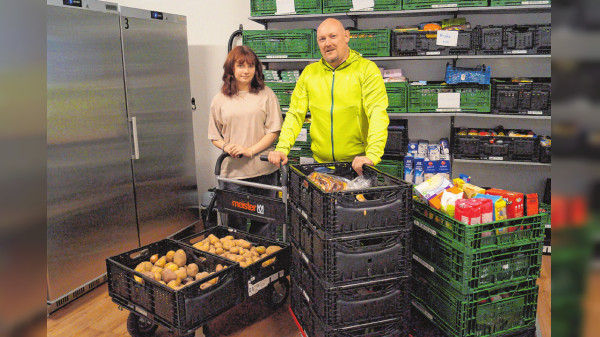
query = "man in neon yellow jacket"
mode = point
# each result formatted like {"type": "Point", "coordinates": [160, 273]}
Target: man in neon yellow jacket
{"type": "Point", "coordinates": [346, 97]}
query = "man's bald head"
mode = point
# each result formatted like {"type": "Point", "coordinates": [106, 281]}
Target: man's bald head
{"type": "Point", "coordinates": [333, 41]}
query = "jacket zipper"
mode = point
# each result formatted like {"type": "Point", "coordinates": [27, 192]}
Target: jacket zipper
{"type": "Point", "coordinates": [331, 114]}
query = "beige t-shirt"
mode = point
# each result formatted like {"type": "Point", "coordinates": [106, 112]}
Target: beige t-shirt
{"type": "Point", "coordinates": [244, 119]}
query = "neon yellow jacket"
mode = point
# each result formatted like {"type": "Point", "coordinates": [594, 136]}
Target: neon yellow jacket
{"type": "Point", "coordinates": [347, 107]}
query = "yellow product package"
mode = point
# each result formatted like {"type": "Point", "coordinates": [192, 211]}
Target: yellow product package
{"type": "Point", "coordinates": [472, 190]}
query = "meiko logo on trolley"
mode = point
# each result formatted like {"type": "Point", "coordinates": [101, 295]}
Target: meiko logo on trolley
{"type": "Point", "coordinates": [260, 209]}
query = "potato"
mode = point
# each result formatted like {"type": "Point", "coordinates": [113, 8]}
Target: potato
{"type": "Point", "coordinates": [227, 245]}
{"type": "Point", "coordinates": [255, 258]}
{"type": "Point", "coordinates": [229, 237]}
{"type": "Point", "coordinates": [173, 284]}
{"type": "Point", "coordinates": [179, 258]}
{"type": "Point", "coordinates": [156, 269]}
{"type": "Point", "coordinates": [213, 239]}
{"type": "Point", "coordinates": [243, 264]}
{"type": "Point", "coordinates": [144, 266]}
{"type": "Point", "coordinates": [213, 280]}
{"type": "Point", "coordinates": [172, 266]}
{"type": "Point", "coordinates": [272, 249]}
{"type": "Point", "coordinates": [197, 245]}
{"type": "Point", "coordinates": [168, 275]}
{"type": "Point", "coordinates": [244, 244]}
{"type": "Point", "coordinates": [154, 258]}
{"type": "Point", "coordinates": [205, 285]}
{"type": "Point", "coordinates": [161, 262]}
{"type": "Point", "coordinates": [248, 260]}
{"type": "Point", "coordinates": [218, 244]}
{"type": "Point", "coordinates": [148, 274]}
{"type": "Point", "coordinates": [162, 282]}
{"type": "Point", "coordinates": [192, 269]}
{"type": "Point", "coordinates": [219, 251]}
{"type": "Point", "coordinates": [181, 273]}
{"type": "Point", "coordinates": [247, 254]}
{"type": "Point", "coordinates": [254, 254]}
{"type": "Point", "coordinates": [261, 250]}
{"type": "Point", "coordinates": [170, 255]}
{"type": "Point", "coordinates": [219, 268]}
{"type": "Point", "coordinates": [188, 280]}
{"type": "Point", "coordinates": [138, 279]}
{"type": "Point", "coordinates": [212, 250]}
{"type": "Point", "coordinates": [157, 277]}
{"type": "Point", "coordinates": [268, 262]}
{"type": "Point", "coordinates": [234, 250]}
{"type": "Point", "coordinates": [201, 275]}
{"type": "Point", "coordinates": [205, 247]}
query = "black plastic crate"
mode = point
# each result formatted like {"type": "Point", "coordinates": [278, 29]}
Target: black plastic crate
{"type": "Point", "coordinates": [341, 212]}
{"type": "Point", "coordinates": [531, 98]}
{"type": "Point", "coordinates": [351, 258]}
{"type": "Point", "coordinates": [495, 147]}
{"type": "Point", "coordinates": [397, 141]}
{"type": "Point", "coordinates": [253, 276]}
{"type": "Point", "coordinates": [413, 43]}
{"type": "Point", "coordinates": [181, 310]}
{"type": "Point", "coordinates": [514, 39]}
{"type": "Point", "coordinates": [312, 326]}
{"type": "Point", "coordinates": [353, 303]}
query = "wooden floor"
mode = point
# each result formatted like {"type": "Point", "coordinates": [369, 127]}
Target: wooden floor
{"type": "Point", "coordinates": [96, 315]}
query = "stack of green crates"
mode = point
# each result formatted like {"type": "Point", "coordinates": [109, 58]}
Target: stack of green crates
{"type": "Point", "coordinates": [428, 4]}
{"type": "Point", "coordinates": [495, 3]}
{"type": "Point", "coordinates": [283, 91]}
{"type": "Point", "coordinates": [370, 43]}
{"type": "Point", "coordinates": [342, 6]}
{"type": "Point", "coordinates": [393, 167]}
{"type": "Point", "coordinates": [301, 151]}
{"type": "Point", "coordinates": [269, 7]}
{"type": "Point", "coordinates": [473, 97]}
{"type": "Point", "coordinates": [476, 280]}
{"type": "Point", "coordinates": [397, 96]}
{"type": "Point", "coordinates": [289, 43]}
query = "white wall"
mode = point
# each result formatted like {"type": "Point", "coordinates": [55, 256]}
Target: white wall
{"type": "Point", "coordinates": [209, 25]}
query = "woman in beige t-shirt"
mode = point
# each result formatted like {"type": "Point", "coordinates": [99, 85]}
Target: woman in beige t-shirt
{"type": "Point", "coordinates": [245, 120]}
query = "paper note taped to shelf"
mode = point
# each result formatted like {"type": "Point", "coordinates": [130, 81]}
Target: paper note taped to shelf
{"type": "Point", "coordinates": [285, 7]}
{"type": "Point", "coordinates": [447, 38]}
{"type": "Point", "coordinates": [362, 4]}
{"type": "Point", "coordinates": [449, 100]}
{"type": "Point", "coordinates": [303, 136]}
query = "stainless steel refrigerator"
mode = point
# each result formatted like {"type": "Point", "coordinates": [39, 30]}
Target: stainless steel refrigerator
{"type": "Point", "coordinates": [120, 167]}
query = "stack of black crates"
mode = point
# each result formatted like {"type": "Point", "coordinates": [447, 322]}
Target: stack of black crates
{"type": "Point", "coordinates": [351, 255]}
{"type": "Point", "coordinates": [476, 280]}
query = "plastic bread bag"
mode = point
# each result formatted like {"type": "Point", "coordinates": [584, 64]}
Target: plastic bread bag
{"type": "Point", "coordinates": [359, 183]}
{"type": "Point", "coordinates": [328, 182]}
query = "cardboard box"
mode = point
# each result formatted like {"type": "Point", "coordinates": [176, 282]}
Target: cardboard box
{"type": "Point", "coordinates": [514, 202]}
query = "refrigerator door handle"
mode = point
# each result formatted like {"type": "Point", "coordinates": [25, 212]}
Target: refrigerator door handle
{"type": "Point", "coordinates": [136, 147]}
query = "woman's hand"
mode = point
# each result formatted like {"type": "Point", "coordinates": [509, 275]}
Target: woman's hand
{"type": "Point", "coordinates": [237, 151]}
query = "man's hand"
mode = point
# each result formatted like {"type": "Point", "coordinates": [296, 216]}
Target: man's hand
{"type": "Point", "coordinates": [276, 157]}
{"type": "Point", "coordinates": [358, 163]}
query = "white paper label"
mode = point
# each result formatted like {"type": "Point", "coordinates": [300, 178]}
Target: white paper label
{"type": "Point", "coordinates": [447, 38]}
{"type": "Point", "coordinates": [547, 249]}
{"type": "Point", "coordinates": [517, 51]}
{"type": "Point", "coordinates": [362, 4]}
{"type": "Point", "coordinates": [495, 158]}
{"type": "Point", "coordinates": [295, 148]}
{"type": "Point", "coordinates": [444, 5]}
{"type": "Point", "coordinates": [535, 2]}
{"type": "Point", "coordinates": [277, 56]}
{"type": "Point", "coordinates": [258, 286]}
{"type": "Point", "coordinates": [432, 53]}
{"type": "Point", "coordinates": [285, 7]}
{"type": "Point", "coordinates": [505, 266]}
{"type": "Point", "coordinates": [425, 264]}
{"type": "Point", "coordinates": [307, 160]}
{"type": "Point", "coordinates": [303, 136]}
{"type": "Point", "coordinates": [449, 100]}
{"type": "Point", "coordinates": [425, 228]}
{"type": "Point", "coordinates": [548, 225]}
{"type": "Point", "coordinates": [535, 112]}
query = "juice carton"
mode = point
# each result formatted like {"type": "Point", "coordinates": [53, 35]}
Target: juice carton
{"type": "Point", "coordinates": [443, 168]}
{"type": "Point", "coordinates": [430, 168]}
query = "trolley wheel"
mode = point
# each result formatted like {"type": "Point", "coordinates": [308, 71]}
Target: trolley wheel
{"type": "Point", "coordinates": [277, 293]}
{"type": "Point", "coordinates": [137, 326]}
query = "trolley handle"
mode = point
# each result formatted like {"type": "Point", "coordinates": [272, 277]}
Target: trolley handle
{"type": "Point", "coordinates": [219, 162]}
{"type": "Point", "coordinates": [284, 170]}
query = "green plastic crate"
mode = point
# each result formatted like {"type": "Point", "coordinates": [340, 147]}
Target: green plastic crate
{"type": "Point", "coordinates": [397, 97]}
{"type": "Point", "coordinates": [370, 43]}
{"type": "Point", "coordinates": [342, 6]}
{"type": "Point", "coordinates": [283, 91]}
{"type": "Point", "coordinates": [290, 43]}
{"type": "Point", "coordinates": [269, 7]}
{"type": "Point", "coordinates": [484, 237]}
{"type": "Point", "coordinates": [495, 3]}
{"type": "Point", "coordinates": [427, 4]}
{"type": "Point", "coordinates": [473, 97]}
{"type": "Point", "coordinates": [392, 167]}
{"type": "Point", "coordinates": [495, 312]}
{"type": "Point", "coordinates": [474, 270]}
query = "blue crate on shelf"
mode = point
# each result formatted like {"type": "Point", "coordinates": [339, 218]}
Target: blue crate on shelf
{"type": "Point", "coordinates": [480, 74]}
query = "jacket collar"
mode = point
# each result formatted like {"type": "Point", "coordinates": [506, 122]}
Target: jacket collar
{"type": "Point", "coordinates": [352, 56]}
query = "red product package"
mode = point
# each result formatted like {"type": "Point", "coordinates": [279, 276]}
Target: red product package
{"type": "Point", "coordinates": [487, 210]}
{"type": "Point", "coordinates": [514, 202]}
{"type": "Point", "coordinates": [474, 211]}
{"type": "Point", "coordinates": [461, 211]}
{"type": "Point", "coordinates": [532, 204]}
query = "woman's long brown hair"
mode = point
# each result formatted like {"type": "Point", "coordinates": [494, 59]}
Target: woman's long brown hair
{"type": "Point", "coordinates": [241, 54]}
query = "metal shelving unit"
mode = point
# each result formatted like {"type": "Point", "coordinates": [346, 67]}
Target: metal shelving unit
{"type": "Point", "coordinates": [501, 162]}
{"type": "Point", "coordinates": [424, 57]}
